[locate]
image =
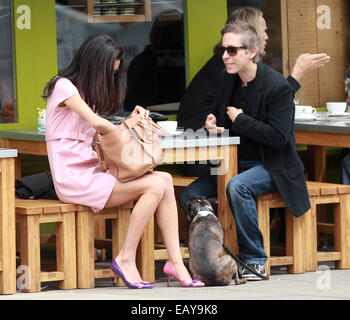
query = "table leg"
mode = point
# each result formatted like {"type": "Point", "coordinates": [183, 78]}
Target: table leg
{"type": "Point", "coordinates": [228, 224]}
{"type": "Point", "coordinates": [316, 169]}
{"type": "Point", "coordinates": [316, 162]}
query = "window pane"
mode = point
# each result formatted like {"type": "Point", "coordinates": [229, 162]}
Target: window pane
{"type": "Point", "coordinates": [154, 50]}
{"type": "Point", "coordinates": [7, 92]}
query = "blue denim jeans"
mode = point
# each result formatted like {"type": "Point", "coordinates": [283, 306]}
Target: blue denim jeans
{"type": "Point", "coordinates": [252, 180]}
{"type": "Point", "coordinates": [345, 169]}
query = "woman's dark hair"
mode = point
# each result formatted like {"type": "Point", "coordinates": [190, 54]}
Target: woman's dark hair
{"type": "Point", "coordinates": [92, 72]}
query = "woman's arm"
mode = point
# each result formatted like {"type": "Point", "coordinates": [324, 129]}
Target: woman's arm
{"type": "Point", "coordinates": [101, 125]}
{"type": "Point", "coordinates": [78, 105]}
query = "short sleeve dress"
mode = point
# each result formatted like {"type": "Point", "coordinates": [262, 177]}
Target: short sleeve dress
{"type": "Point", "coordinates": [74, 165]}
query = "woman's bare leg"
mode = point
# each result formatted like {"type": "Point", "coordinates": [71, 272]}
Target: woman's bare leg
{"type": "Point", "coordinates": [156, 194]}
{"type": "Point", "coordinates": [167, 220]}
{"type": "Point", "coordinates": [149, 190]}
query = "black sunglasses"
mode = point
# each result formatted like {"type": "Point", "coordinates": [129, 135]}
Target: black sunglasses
{"type": "Point", "coordinates": [231, 50]}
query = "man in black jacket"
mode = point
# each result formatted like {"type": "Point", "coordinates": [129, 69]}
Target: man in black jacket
{"type": "Point", "coordinates": [197, 100]}
{"type": "Point", "coordinates": [256, 103]}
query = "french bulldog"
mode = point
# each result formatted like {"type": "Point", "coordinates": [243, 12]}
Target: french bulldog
{"type": "Point", "coordinates": [207, 262]}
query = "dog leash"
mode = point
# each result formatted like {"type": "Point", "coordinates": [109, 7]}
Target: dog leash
{"type": "Point", "coordinates": [234, 257]}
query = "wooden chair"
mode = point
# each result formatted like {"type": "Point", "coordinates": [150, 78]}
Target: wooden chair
{"type": "Point", "coordinates": [301, 233]}
{"type": "Point", "coordinates": [29, 215]}
{"type": "Point", "coordinates": [7, 227]}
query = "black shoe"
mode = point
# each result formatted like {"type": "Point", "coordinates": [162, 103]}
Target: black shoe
{"type": "Point", "coordinates": [249, 275]}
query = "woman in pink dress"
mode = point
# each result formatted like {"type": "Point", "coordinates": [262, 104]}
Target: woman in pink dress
{"type": "Point", "coordinates": [91, 85]}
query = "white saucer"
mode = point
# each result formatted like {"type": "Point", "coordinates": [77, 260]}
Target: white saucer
{"type": "Point", "coordinates": [343, 114]}
{"type": "Point", "coordinates": [305, 117]}
{"type": "Point", "coordinates": [175, 133]}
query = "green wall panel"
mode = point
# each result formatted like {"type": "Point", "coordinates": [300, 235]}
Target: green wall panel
{"type": "Point", "coordinates": [204, 21]}
{"type": "Point", "coordinates": [35, 57]}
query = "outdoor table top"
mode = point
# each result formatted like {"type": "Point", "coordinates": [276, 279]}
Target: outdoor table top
{"type": "Point", "coordinates": [186, 139]}
{"type": "Point", "coordinates": [323, 122]}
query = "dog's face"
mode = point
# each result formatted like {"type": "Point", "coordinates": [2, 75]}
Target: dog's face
{"type": "Point", "coordinates": [196, 206]}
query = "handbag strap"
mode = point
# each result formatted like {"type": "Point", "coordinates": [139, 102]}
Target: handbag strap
{"type": "Point", "coordinates": [100, 155]}
{"type": "Point", "coordinates": [149, 124]}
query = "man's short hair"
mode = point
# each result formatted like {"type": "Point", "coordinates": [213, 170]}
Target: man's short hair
{"type": "Point", "coordinates": [250, 38]}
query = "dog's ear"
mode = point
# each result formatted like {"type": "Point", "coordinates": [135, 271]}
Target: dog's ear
{"type": "Point", "coordinates": [214, 203]}
{"type": "Point", "coordinates": [189, 208]}
{"type": "Point", "coordinates": [188, 203]}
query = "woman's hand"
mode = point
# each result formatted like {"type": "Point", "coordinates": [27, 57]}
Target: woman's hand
{"type": "Point", "coordinates": [142, 112]}
{"type": "Point", "coordinates": [210, 125]}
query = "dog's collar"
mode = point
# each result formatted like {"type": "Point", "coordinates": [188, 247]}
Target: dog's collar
{"type": "Point", "coordinates": [204, 213]}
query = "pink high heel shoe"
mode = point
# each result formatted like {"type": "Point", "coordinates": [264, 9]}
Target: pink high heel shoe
{"type": "Point", "coordinates": [170, 272]}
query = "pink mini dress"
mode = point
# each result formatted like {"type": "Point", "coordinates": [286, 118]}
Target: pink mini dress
{"type": "Point", "coordinates": [75, 170]}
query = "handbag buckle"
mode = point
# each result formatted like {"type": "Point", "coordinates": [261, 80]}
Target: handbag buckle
{"type": "Point", "coordinates": [94, 143]}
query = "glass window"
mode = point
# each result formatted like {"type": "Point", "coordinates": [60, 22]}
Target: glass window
{"type": "Point", "coordinates": [7, 87]}
{"type": "Point", "coordinates": [272, 13]}
{"type": "Point", "coordinates": [154, 49]}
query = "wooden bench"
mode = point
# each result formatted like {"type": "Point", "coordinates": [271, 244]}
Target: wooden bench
{"type": "Point", "coordinates": [339, 196]}
{"type": "Point", "coordinates": [75, 241]}
{"type": "Point", "coordinates": [86, 271]}
{"type": "Point", "coordinates": [29, 215]}
{"type": "Point", "coordinates": [301, 233]}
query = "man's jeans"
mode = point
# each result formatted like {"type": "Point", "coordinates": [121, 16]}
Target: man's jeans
{"type": "Point", "coordinates": [252, 180]}
{"type": "Point", "coordinates": [345, 169]}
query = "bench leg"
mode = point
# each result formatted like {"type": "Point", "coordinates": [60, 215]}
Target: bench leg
{"type": "Point", "coordinates": [85, 249]}
{"type": "Point", "coordinates": [7, 256]}
{"type": "Point", "coordinates": [264, 226]}
{"type": "Point", "coordinates": [119, 229]}
{"type": "Point", "coordinates": [295, 231]}
{"type": "Point", "coordinates": [7, 227]}
{"type": "Point", "coordinates": [310, 233]}
{"type": "Point", "coordinates": [145, 253]}
{"type": "Point", "coordinates": [100, 232]}
{"type": "Point", "coordinates": [66, 251]}
{"type": "Point", "coordinates": [30, 251]}
{"type": "Point", "coordinates": [342, 231]}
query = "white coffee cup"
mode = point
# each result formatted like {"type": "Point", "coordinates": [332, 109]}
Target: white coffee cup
{"type": "Point", "coordinates": [336, 107]}
{"type": "Point", "coordinates": [305, 110]}
{"type": "Point", "coordinates": [169, 126]}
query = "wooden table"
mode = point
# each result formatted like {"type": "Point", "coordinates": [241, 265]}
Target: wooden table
{"type": "Point", "coordinates": [7, 222]}
{"type": "Point", "coordinates": [318, 134]}
{"type": "Point", "coordinates": [177, 149]}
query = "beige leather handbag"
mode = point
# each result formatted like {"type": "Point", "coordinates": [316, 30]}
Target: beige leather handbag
{"type": "Point", "coordinates": [131, 149]}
